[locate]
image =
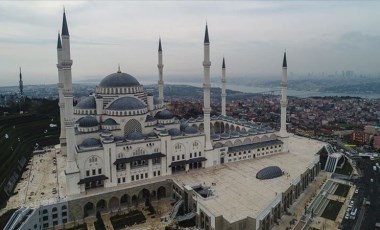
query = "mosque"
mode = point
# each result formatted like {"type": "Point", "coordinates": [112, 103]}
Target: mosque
{"type": "Point", "coordinates": [124, 147]}
{"type": "Point", "coordinates": [121, 133]}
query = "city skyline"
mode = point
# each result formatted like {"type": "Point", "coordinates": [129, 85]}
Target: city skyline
{"type": "Point", "coordinates": [250, 35]}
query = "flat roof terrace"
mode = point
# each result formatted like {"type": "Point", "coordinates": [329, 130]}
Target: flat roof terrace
{"type": "Point", "coordinates": [238, 193]}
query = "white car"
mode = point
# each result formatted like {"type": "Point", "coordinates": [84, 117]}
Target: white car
{"type": "Point", "coordinates": [357, 191]}
{"type": "Point", "coordinates": [347, 216]}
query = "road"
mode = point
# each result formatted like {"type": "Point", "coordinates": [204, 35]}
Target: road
{"type": "Point", "coordinates": [368, 215]}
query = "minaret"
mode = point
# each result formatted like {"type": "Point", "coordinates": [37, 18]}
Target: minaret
{"type": "Point", "coordinates": [283, 134]}
{"type": "Point", "coordinates": [224, 88]}
{"type": "Point", "coordinates": [160, 77]}
{"type": "Point", "coordinates": [21, 85]}
{"type": "Point", "coordinates": [61, 101]}
{"type": "Point", "coordinates": [71, 170]}
{"type": "Point", "coordinates": [206, 90]}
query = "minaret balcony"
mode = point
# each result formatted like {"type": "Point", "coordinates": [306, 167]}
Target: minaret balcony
{"type": "Point", "coordinates": [284, 103]}
{"type": "Point", "coordinates": [160, 66]}
{"type": "Point", "coordinates": [67, 63]}
{"type": "Point", "coordinates": [284, 84]}
{"type": "Point", "coordinates": [67, 93]}
{"type": "Point", "coordinates": [206, 63]}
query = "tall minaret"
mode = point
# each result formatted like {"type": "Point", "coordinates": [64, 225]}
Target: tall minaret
{"type": "Point", "coordinates": [283, 134]}
{"type": "Point", "coordinates": [160, 69]}
{"type": "Point", "coordinates": [61, 101]}
{"type": "Point", "coordinates": [206, 90]}
{"type": "Point", "coordinates": [224, 88]}
{"type": "Point", "coordinates": [71, 170]}
{"type": "Point", "coordinates": [21, 85]}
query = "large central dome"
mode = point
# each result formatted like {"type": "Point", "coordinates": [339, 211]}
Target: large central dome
{"type": "Point", "coordinates": [119, 79]}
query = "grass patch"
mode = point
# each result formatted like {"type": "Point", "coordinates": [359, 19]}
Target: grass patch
{"type": "Point", "coordinates": [129, 219]}
{"type": "Point", "coordinates": [342, 190]}
{"type": "Point", "coordinates": [346, 170]}
{"type": "Point", "coordinates": [332, 209]}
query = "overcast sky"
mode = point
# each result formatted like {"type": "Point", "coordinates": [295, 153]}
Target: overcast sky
{"type": "Point", "coordinates": [319, 36]}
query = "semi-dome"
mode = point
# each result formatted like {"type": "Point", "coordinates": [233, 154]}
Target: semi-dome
{"type": "Point", "coordinates": [109, 121]}
{"type": "Point", "coordinates": [164, 114]}
{"type": "Point", "coordinates": [135, 136]}
{"type": "Point", "coordinates": [119, 79]}
{"type": "Point", "coordinates": [191, 130]}
{"type": "Point", "coordinates": [126, 103]}
{"type": "Point", "coordinates": [149, 118]}
{"type": "Point", "coordinates": [88, 121]}
{"type": "Point", "coordinates": [86, 103]}
{"type": "Point", "coordinates": [174, 132]}
{"type": "Point", "coordinates": [269, 173]}
{"type": "Point", "coordinates": [90, 142]}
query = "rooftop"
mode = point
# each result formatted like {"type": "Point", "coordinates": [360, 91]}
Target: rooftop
{"type": "Point", "coordinates": [238, 193]}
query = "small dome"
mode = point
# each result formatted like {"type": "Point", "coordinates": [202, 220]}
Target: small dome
{"type": "Point", "coordinates": [152, 135]}
{"type": "Point", "coordinates": [88, 121]}
{"type": "Point", "coordinates": [109, 121]}
{"type": "Point", "coordinates": [174, 132]}
{"type": "Point", "coordinates": [191, 130]}
{"type": "Point", "coordinates": [164, 114]}
{"type": "Point", "coordinates": [90, 142]}
{"type": "Point", "coordinates": [199, 118]}
{"type": "Point", "coordinates": [119, 80]}
{"type": "Point", "coordinates": [164, 133]}
{"type": "Point", "coordinates": [214, 117]}
{"type": "Point", "coordinates": [244, 132]}
{"type": "Point", "coordinates": [225, 135]}
{"type": "Point", "coordinates": [215, 137]}
{"type": "Point", "coordinates": [191, 120]}
{"type": "Point", "coordinates": [269, 173]}
{"type": "Point", "coordinates": [135, 136]}
{"type": "Point", "coordinates": [86, 103]}
{"type": "Point", "coordinates": [234, 134]}
{"type": "Point", "coordinates": [252, 131]}
{"type": "Point", "coordinates": [126, 103]}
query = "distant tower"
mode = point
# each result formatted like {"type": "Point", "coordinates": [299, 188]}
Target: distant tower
{"type": "Point", "coordinates": [21, 85]}
{"type": "Point", "coordinates": [224, 94]}
{"type": "Point", "coordinates": [283, 134]}
{"type": "Point", "coordinates": [64, 73]}
{"type": "Point", "coordinates": [160, 77]}
{"type": "Point", "coordinates": [206, 90]}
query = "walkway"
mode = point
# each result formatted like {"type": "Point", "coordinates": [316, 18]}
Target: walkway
{"type": "Point", "coordinates": [298, 208]}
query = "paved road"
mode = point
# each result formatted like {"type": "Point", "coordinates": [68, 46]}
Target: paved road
{"type": "Point", "coordinates": [368, 216]}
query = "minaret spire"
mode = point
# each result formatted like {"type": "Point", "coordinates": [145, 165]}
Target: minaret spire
{"type": "Point", "coordinates": [206, 35]}
{"type": "Point", "coordinates": [206, 90]}
{"type": "Point", "coordinates": [59, 43]}
{"type": "Point", "coordinates": [283, 134]}
{"type": "Point", "coordinates": [224, 88]}
{"type": "Point", "coordinates": [160, 67]}
{"type": "Point", "coordinates": [21, 84]}
{"type": "Point", "coordinates": [65, 28]}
